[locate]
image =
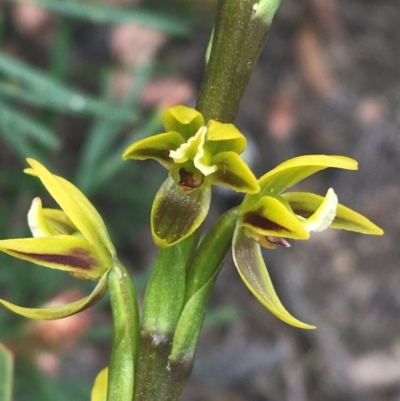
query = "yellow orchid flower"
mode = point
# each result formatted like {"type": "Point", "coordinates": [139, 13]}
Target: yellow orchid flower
{"type": "Point", "coordinates": [271, 216]}
{"type": "Point", "coordinates": [73, 239]}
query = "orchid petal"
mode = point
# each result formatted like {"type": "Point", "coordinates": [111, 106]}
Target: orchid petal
{"type": "Point", "coordinates": [64, 252]}
{"type": "Point", "coordinates": [234, 173]}
{"type": "Point", "coordinates": [78, 208]}
{"type": "Point", "coordinates": [175, 215]}
{"type": "Point", "coordinates": [155, 147]}
{"type": "Point", "coordinates": [59, 312]}
{"type": "Point", "coordinates": [251, 267]}
{"type": "Point", "coordinates": [99, 390]}
{"type": "Point", "coordinates": [322, 218]}
{"type": "Point", "coordinates": [37, 221]}
{"type": "Point", "coordinates": [185, 120]}
{"type": "Point", "coordinates": [297, 169]}
{"type": "Point", "coordinates": [305, 204]}
{"type": "Point", "coordinates": [223, 136]}
{"type": "Point", "coordinates": [194, 150]}
{"type": "Point", "coordinates": [269, 216]}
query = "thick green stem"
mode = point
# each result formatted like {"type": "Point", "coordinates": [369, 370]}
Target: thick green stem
{"type": "Point", "coordinates": [124, 352]}
{"type": "Point", "coordinates": [161, 310]}
{"type": "Point", "coordinates": [240, 32]}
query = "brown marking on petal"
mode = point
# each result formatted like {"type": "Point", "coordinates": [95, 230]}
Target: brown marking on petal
{"type": "Point", "coordinates": [78, 258]}
{"type": "Point", "coordinates": [255, 219]}
{"type": "Point", "coordinates": [151, 153]}
{"type": "Point", "coordinates": [228, 178]}
{"type": "Point", "coordinates": [189, 181]}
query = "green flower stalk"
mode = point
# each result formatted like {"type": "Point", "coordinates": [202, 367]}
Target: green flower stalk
{"type": "Point", "coordinates": [73, 239]}
{"type": "Point", "coordinates": [271, 216]}
{"type": "Point", "coordinates": [197, 155]}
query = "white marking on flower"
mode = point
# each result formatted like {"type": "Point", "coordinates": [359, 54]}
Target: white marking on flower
{"type": "Point", "coordinates": [322, 218]}
{"type": "Point", "coordinates": [194, 150]}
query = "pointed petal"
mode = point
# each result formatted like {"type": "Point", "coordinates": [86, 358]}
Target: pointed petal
{"type": "Point", "coordinates": [228, 136]}
{"type": "Point", "coordinates": [64, 252]}
{"type": "Point", "coordinates": [175, 215]}
{"type": "Point", "coordinates": [322, 218]}
{"type": "Point", "coordinates": [233, 172]}
{"type": "Point", "coordinates": [269, 216]}
{"type": "Point", "coordinates": [59, 312]}
{"type": "Point", "coordinates": [155, 147]}
{"type": "Point", "coordinates": [99, 390]}
{"type": "Point", "coordinates": [305, 204]}
{"type": "Point", "coordinates": [251, 267]}
{"type": "Point", "coordinates": [297, 169]}
{"type": "Point", "coordinates": [184, 120]}
{"type": "Point", "coordinates": [77, 207]}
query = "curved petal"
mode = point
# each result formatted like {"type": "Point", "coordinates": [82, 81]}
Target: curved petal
{"type": "Point", "coordinates": [175, 215]}
{"type": "Point", "coordinates": [77, 207]}
{"type": "Point", "coordinates": [322, 218]}
{"type": "Point", "coordinates": [194, 150]}
{"type": "Point", "coordinates": [64, 252]}
{"type": "Point", "coordinates": [271, 217]}
{"type": "Point", "coordinates": [233, 172]}
{"type": "Point", "coordinates": [305, 204]}
{"type": "Point", "coordinates": [251, 267]}
{"type": "Point", "coordinates": [99, 390]}
{"type": "Point", "coordinates": [48, 222]}
{"type": "Point", "coordinates": [184, 120]}
{"type": "Point", "coordinates": [59, 312]}
{"type": "Point", "coordinates": [297, 169]}
{"type": "Point", "coordinates": [229, 138]}
{"type": "Point", "coordinates": [155, 147]}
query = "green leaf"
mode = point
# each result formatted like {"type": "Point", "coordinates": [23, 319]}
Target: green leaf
{"type": "Point", "coordinates": [6, 373]}
{"type": "Point", "coordinates": [52, 92]}
{"type": "Point", "coordinates": [111, 15]}
{"type": "Point", "coordinates": [251, 267]}
{"type": "Point", "coordinates": [305, 204]}
{"type": "Point", "coordinates": [175, 215]}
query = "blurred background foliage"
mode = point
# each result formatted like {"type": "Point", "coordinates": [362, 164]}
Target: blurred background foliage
{"type": "Point", "coordinates": [79, 80]}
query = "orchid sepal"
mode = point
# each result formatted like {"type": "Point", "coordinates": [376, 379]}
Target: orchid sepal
{"type": "Point", "coordinates": [62, 311]}
{"type": "Point", "coordinates": [251, 267]}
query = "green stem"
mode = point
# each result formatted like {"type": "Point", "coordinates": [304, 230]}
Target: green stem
{"type": "Point", "coordinates": [124, 352]}
{"type": "Point", "coordinates": [240, 33]}
{"type": "Point", "coordinates": [162, 307]}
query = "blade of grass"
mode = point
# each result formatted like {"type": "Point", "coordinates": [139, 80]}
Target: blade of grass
{"type": "Point", "coordinates": [62, 97]}
{"type": "Point", "coordinates": [105, 132]}
{"type": "Point", "coordinates": [20, 131]}
{"type": "Point", "coordinates": [167, 23]}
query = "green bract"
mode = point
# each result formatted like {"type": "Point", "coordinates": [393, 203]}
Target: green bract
{"type": "Point", "coordinates": [73, 239]}
{"type": "Point", "coordinates": [197, 155]}
{"type": "Point", "coordinates": [270, 216]}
